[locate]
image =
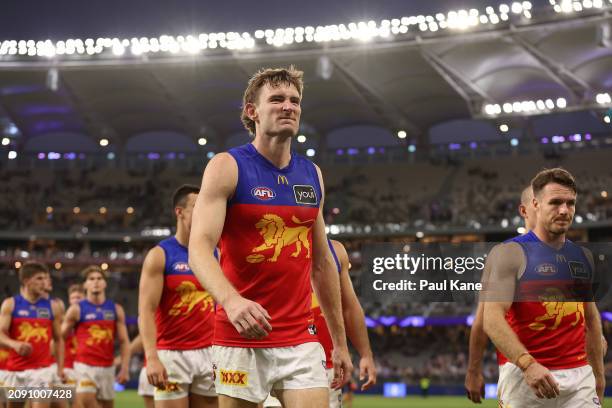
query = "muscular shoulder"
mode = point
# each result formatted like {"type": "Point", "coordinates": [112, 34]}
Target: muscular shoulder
{"type": "Point", "coordinates": [221, 174]}
{"type": "Point", "coordinates": [340, 252]}
{"type": "Point", "coordinates": [8, 305]}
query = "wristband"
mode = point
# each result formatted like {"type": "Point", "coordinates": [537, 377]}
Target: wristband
{"type": "Point", "coordinates": [524, 360]}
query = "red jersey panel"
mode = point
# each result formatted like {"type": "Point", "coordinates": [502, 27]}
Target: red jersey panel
{"type": "Point", "coordinates": [95, 333]}
{"type": "Point", "coordinates": [4, 355]}
{"type": "Point", "coordinates": [70, 350]}
{"type": "Point", "coordinates": [31, 323]}
{"type": "Point", "coordinates": [185, 315]}
{"type": "Point", "coordinates": [322, 331]}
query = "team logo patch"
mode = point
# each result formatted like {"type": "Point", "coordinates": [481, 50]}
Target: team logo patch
{"type": "Point", "coordinates": [578, 270]}
{"type": "Point", "coordinates": [181, 267]}
{"type": "Point", "coordinates": [43, 313]}
{"type": "Point", "coordinates": [312, 329]}
{"type": "Point", "coordinates": [596, 401]}
{"type": "Point", "coordinates": [305, 194]}
{"type": "Point", "coordinates": [263, 193]}
{"type": "Point", "coordinates": [169, 388]}
{"type": "Point", "coordinates": [90, 316]}
{"type": "Point", "coordinates": [109, 315]}
{"type": "Point", "coordinates": [235, 378]}
{"type": "Point", "coordinates": [546, 269]}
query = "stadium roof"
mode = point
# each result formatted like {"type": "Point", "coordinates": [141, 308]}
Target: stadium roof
{"type": "Point", "coordinates": [410, 83]}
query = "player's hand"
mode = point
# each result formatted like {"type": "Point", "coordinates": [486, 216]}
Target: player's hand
{"type": "Point", "coordinates": [117, 361]}
{"type": "Point", "coordinates": [22, 348]}
{"type": "Point", "coordinates": [343, 367]}
{"type": "Point", "coordinates": [541, 381]}
{"type": "Point", "coordinates": [61, 375]}
{"type": "Point", "coordinates": [249, 318]}
{"type": "Point", "coordinates": [600, 387]}
{"type": "Point", "coordinates": [156, 373]}
{"type": "Point", "coordinates": [123, 376]}
{"type": "Point", "coordinates": [474, 386]}
{"type": "Point", "coordinates": [367, 368]}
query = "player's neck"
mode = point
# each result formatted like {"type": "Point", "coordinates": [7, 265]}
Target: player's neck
{"type": "Point", "coordinates": [96, 298]}
{"type": "Point", "coordinates": [553, 240]}
{"type": "Point", "coordinates": [182, 236]}
{"type": "Point", "coordinates": [276, 149]}
{"type": "Point", "coordinates": [29, 296]}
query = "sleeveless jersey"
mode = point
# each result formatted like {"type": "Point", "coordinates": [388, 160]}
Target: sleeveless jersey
{"type": "Point", "coordinates": [185, 315]}
{"type": "Point", "coordinates": [70, 350]}
{"type": "Point", "coordinates": [4, 355]}
{"type": "Point", "coordinates": [266, 246]}
{"type": "Point", "coordinates": [95, 333]}
{"type": "Point", "coordinates": [552, 330]}
{"type": "Point", "coordinates": [32, 323]}
{"type": "Point", "coordinates": [319, 320]}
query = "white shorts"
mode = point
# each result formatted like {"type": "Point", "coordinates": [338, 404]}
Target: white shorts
{"type": "Point", "coordinates": [251, 373]}
{"type": "Point", "coordinates": [37, 377]}
{"type": "Point", "coordinates": [144, 388]}
{"type": "Point", "coordinates": [94, 379]}
{"type": "Point", "coordinates": [71, 377]}
{"type": "Point", "coordinates": [272, 402]}
{"type": "Point", "coordinates": [3, 376]}
{"type": "Point", "coordinates": [335, 396]}
{"type": "Point", "coordinates": [189, 371]}
{"type": "Point", "coordinates": [576, 385]}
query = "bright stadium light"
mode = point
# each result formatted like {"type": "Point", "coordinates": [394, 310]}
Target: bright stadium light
{"type": "Point", "coordinates": [603, 98]}
{"type": "Point", "coordinates": [103, 142]}
{"type": "Point", "coordinates": [310, 152]}
{"type": "Point", "coordinates": [561, 103]}
{"type": "Point", "coordinates": [503, 127]}
{"type": "Point", "coordinates": [301, 138]}
{"type": "Point", "coordinates": [514, 142]}
{"type": "Point", "coordinates": [12, 155]}
{"type": "Point", "coordinates": [6, 141]}
{"type": "Point", "coordinates": [202, 141]}
{"type": "Point", "coordinates": [401, 134]}
{"type": "Point", "coordinates": [606, 119]}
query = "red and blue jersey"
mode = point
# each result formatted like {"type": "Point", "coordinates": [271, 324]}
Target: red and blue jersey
{"type": "Point", "coordinates": [185, 315]}
{"type": "Point", "coordinates": [95, 333]}
{"type": "Point", "coordinates": [552, 329]}
{"type": "Point", "coordinates": [266, 246]}
{"type": "Point", "coordinates": [31, 323]}
{"type": "Point", "coordinates": [70, 350]}
{"type": "Point", "coordinates": [319, 320]}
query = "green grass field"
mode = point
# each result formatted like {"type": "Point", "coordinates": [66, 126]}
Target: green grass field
{"type": "Point", "coordinates": [129, 399]}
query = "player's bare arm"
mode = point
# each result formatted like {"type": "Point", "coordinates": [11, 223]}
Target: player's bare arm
{"type": "Point", "coordinates": [149, 296]}
{"type": "Point", "coordinates": [354, 320]}
{"type": "Point", "coordinates": [326, 284]}
{"type": "Point", "coordinates": [503, 266]}
{"type": "Point", "coordinates": [219, 182]}
{"type": "Point", "coordinates": [70, 320]}
{"type": "Point", "coordinates": [21, 347]}
{"type": "Point", "coordinates": [124, 346]}
{"type": "Point", "coordinates": [474, 380]}
{"type": "Point", "coordinates": [58, 339]}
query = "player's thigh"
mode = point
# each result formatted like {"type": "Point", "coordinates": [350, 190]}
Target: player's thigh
{"type": "Point", "coordinates": [231, 402]}
{"type": "Point", "coordinates": [85, 400]}
{"type": "Point", "coordinates": [182, 402]}
{"type": "Point", "coordinates": [577, 388]}
{"type": "Point", "coordinates": [306, 398]}
{"type": "Point", "coordinates": [203, 401]}
{"type": "Point", "coordinates": [106, 403]}
{"type": "Point", "coordinates": [148, 401]}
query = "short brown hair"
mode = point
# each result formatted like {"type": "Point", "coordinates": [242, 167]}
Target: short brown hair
{"type": "Point", "coordinates": [557, 175]}
{"type": "Point", "coordinates": [181, 193]}
{"type": "Point", "coordinates": [273, 77]}
{"type": "Point", "coordinates": [30, 269]}
{"type": "Point", "coordinates": [76, 287]}
{"type": "Point", "coordinates": [92, 269]}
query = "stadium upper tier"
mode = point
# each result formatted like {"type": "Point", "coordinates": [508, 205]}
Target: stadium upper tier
{"type": "Point", "coordinates": [378, 198]}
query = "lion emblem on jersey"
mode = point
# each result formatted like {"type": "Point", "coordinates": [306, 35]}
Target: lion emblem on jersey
{"type": "Point", "coordinates": [190, 296]}
{"type": "Point", "coordinates": [557, 311]}
{"type": "Point", "coordinates": [35, 333]}
{"type": "Point", "coordinates": [278, 235]}
{"type": "Point", "coordinates": [99, 335]}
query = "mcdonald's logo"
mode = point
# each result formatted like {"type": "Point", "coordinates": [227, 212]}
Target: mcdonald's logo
{"type": "Point", "coordinates": [560, 258]}
{"type": "Point", "coordinates": [280, 179]}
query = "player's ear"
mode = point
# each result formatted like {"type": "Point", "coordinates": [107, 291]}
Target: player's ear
{"type": "Point", "coordinates": [251, 111]}
{"type": "Point", "coordinates": [522, 210]}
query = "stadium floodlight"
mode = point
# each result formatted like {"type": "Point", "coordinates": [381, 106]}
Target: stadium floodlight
{"type": "Point", "coordinates": [503, 127]}
{"type": "Point", "coordinates": [561, 103]}
{"type": "Point", "coordinates": [603, 98]}
{"type": "Point", "coordinates": [420, 234]}
{"type": "Point", "coordinates": [606, 119]}
{"type": "Point", "coordinates": [514, 142]}
{"type": "Point", "coordinates": [401, 134]}
{"type": "Point", "coordinates": [103, 210]}
{"type": "Point", "coordinates": [504, 9]}
{"type": "Point", "coordinates": [49, 209]}
{"type": "Point", "coordinates": [604, 194]}
{"type": "Point", "coordinates": [202, 141]}
{"type": "Point", "coordinates": [130, 210]}
{"type": "Point", "coordinates": [6, 141]}
{"type": "Point", "coordinates": [517, 8]}
{"type": "Point", "coordinates": [411, 148]}
{"type": "Point", "coordinates": [12, 155]}
{"type": "Point", "coordinates": [310, 152]}
{"type": "Point", "coordinates": [103, 142]}
{"type": "Point", "coordinates": [301, 138]}
{"type": "Point", "coordinates": [76, 210]}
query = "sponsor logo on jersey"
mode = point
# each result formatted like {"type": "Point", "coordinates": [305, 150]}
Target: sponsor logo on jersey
{"type": "Point", "coordinates": [90, 316]}
{"type": "Point", "coordinates": [109, 315]}
{"type": "Point", "coordinates": [263, 193]}
{"type": "Point", "coordinates": [578, 270]}
{"type": "Point", "coordinates": [23, 313]}
{"type": "Point", "coordinates": [235, 378]}
{"type": "Point", "coordinates": [546, 269]}
{"type": "Point", "coordinates": [171, 387]}
{"type": "Point", "coordinates": [43, 313]}
{"type": "Point", "coordinates": [280, 179]}
{"type": "Point", "coordinates": [181, 267]}
{"type": "Point", "coordinates": [312, 329]}
{"type": "Point", "coordinates": [305, 195]}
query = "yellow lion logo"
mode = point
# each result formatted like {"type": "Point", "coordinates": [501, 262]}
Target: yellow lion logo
{"type": "Point", "coordinates": [277, 235]}
{"type": "Point", "coordinates": [35, 333]}
{"type": "Point", "coordinates": [557, 311]}
{"type": "Point", "coordinates": [189, 298]}
{"type": "Point", "coordinates": [99, 335]}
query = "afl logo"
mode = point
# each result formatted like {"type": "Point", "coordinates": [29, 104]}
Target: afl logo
{"type": "Point", "coordinates": [263, 193]}
{"type": "Point", "coordinates": [546, 269]}
{"type": "Point", "coordinates": [181, 267]}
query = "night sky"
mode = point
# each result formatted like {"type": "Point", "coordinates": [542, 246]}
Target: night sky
{"type": "Point", "coordinates": [63, 19]}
